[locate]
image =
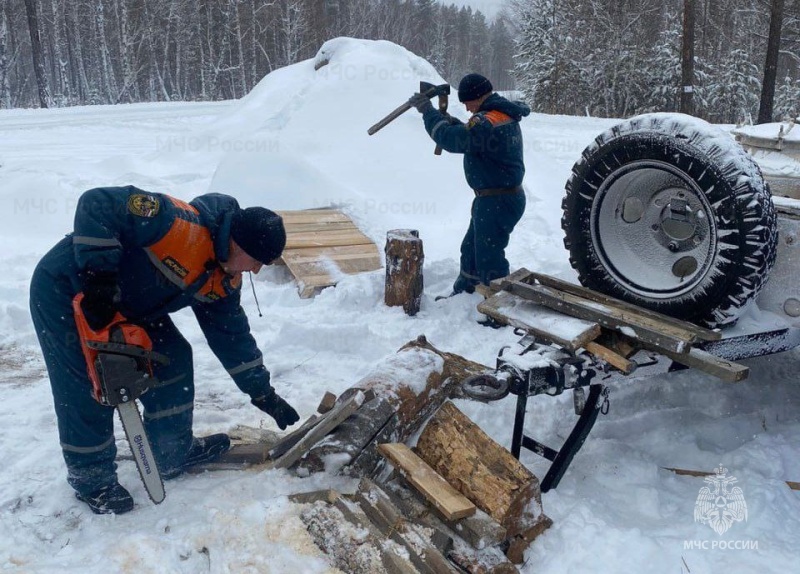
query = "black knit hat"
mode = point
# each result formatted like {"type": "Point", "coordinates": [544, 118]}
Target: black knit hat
{"type": "Point", "coordinates": [259, 232]}
{"type": "Point", "coordinates": [473, 86]}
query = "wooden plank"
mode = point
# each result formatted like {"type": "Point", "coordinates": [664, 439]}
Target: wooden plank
{"type": "Point", "coordinates": [640, 328]}
{"type": "Point", "coordinates": [708, 363]}
{"type": "Point", "coordinates": [686, 472]}
{"type": "Point", "coordinates": [326, 239]}
{"type": "Point", "coordinates": [324, 495]}
{"type": "Point", "coordinates": [312, 216]}
{"type": "Point", "coordinates": [554, 327]}
{"type": "Point", "coordinates": [617, 361]}
{"type": "Point", "coordinates": [520, 274]}
{"type": "Point", "coordinates": [321, 245]}
{"type": "Point", "coordinates": [324, 226]}
{"type": "Point", "coordinates": [348, 265]}
{"type": "Point", "coordinates": [315, 254]}
{"type": "Point", "coordinates": [328, 422]}
{"type": "Point", "coordinates": [699, 332]}
{"type": "Point", "coordinates": [291, 439]}
{"type": "Point", "coordinates": [435, 488]}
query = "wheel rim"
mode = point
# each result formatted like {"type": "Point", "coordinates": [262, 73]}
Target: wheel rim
{"type": "Point", "coordinates": [654, 229]}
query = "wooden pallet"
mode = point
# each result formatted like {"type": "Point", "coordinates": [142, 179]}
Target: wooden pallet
{"type": "Point", "coordinates": [322, 245]}
{"type": "Point", "coordinates": [533, 302]}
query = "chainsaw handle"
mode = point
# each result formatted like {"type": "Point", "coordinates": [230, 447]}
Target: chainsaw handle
{"type": "Point", "coordinates": [118, 334]}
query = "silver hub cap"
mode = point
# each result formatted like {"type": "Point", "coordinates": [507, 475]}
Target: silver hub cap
{"type": "Point", "coordinates": [654, 229]}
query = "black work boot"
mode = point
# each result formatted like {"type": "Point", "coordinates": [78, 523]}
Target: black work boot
{"type": "Point", "coordinates": [203, 449]}
{"type": "Point", "coordinates": [112, 499]}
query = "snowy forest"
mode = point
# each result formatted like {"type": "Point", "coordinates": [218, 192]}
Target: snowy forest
{"type": "Point", "coordinates": [113, 51]}
{"type": "Point", "coordinates": [609, 58]}
{"type": "Point", "coordinates": [616, 58]}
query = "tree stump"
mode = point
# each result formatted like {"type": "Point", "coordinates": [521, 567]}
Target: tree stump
{"type": "Point", "coordinates": [404, 258]}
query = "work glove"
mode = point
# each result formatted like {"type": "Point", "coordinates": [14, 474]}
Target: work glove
{"type": "Point", "coordinates": [421, 102]}
{"type": "Point", "coordinates": [100, 298]}
{"type": "Point", "coordinates": [277, 408]}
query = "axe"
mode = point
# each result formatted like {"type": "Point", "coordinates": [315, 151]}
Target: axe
{"type": "Point", "coordinates": [427, 90]}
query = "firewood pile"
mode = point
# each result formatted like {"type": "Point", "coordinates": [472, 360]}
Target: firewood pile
{"type": "Point", "coordinates": [455, 502]}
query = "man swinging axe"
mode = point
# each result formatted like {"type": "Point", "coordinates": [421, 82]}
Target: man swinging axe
{"type": "Point", "coordinates": [100, 301]}
{"type": "Point", "coordinates": [491, 142]}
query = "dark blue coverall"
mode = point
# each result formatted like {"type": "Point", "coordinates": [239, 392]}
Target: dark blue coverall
{"type": "Point", "coordinates": [154, 243]}
{"type": "Point", "coordinates": [492, 146]}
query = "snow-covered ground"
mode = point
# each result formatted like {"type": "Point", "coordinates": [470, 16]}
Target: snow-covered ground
{"type": "Point", "coordinates": [299, 141]}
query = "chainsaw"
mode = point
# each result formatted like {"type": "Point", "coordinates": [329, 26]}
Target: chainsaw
{"type": "Point", "coordinates": [119, 360]}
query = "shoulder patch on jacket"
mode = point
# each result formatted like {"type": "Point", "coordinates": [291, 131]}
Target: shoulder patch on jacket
{"type": "Point", "coordinates": [474, 121]}
{"type": "Point", "coordinates": [143, 205]}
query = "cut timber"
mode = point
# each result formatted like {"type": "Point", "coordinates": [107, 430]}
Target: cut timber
{"type": "Point", "coordinates": [354, 545]}
{"type": "Point", "coordinates": [546, 324]}
{"type": "Point", "coordinates": [615, 360]}
{"type": "Point", "coordinates": [686, 472]}
{"type": "Point", "coordinates": [699, 332]}
{"type": "Point", "coordinates": [404, 259]}
{"type": "Point", "coordinates": [291, 439]}
{"type": "Point", "coordinates": [322, 245]}
{"type": "Point", "coordinates": [326, 424]}
{"type": "Point", "coordinates": [480, 530]}
{"type": "Point", "coordinates": [435, 488]}
{"type": "Point", "coordinates": [646, 329]}
{"type": "Point", "coordinates": [426, 551]}
{"type": "Point", "coordinates": [708, 363]}
{"type": "Point", "coordinates": [327, 403]}
{"type": "Point", "coordinates": [481, 470]}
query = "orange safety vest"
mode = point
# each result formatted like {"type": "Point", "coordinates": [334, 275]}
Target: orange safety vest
{"type": "Point", "coordinates": [498, 118]}
{"type": "Point", "coordinates": [185, 256]}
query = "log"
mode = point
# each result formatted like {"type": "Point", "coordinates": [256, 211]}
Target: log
{"type": "Point", "coordinates": [349, 539]}
{"type": "Point", "coordinates": [357, 432]}
{"type": "Point", "coordinates": [404, 259]}
{"type": "Point", "coordinates": [423, 553]}
{"type": "Point", "coordinates": [413, 383]}
{"type": "Point", "coordinates": [417, 380]}
{"type": "Point", "coordinates": [481, 470]}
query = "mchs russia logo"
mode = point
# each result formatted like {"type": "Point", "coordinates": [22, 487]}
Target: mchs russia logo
{"type": "Point", "coordinates": [720, 504]}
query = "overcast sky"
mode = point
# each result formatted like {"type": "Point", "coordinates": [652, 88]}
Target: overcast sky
{"type": "Point", "coordinates": [488, 7]}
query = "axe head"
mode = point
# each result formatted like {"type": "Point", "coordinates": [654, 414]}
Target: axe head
{"type": "Point", "coordinates": [432, 90]}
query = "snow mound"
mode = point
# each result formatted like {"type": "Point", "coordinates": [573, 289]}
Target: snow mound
{"type": "Point", "coordinates": [299, 140]}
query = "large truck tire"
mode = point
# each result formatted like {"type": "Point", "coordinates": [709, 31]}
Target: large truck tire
{"type": "Point", "coordinates": [670, 213]}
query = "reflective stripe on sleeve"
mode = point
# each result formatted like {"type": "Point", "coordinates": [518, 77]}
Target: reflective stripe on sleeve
{"type": "Point", "coordinates": [246, 366]}
{"type": "Point", "coordinates": [96, 241]}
